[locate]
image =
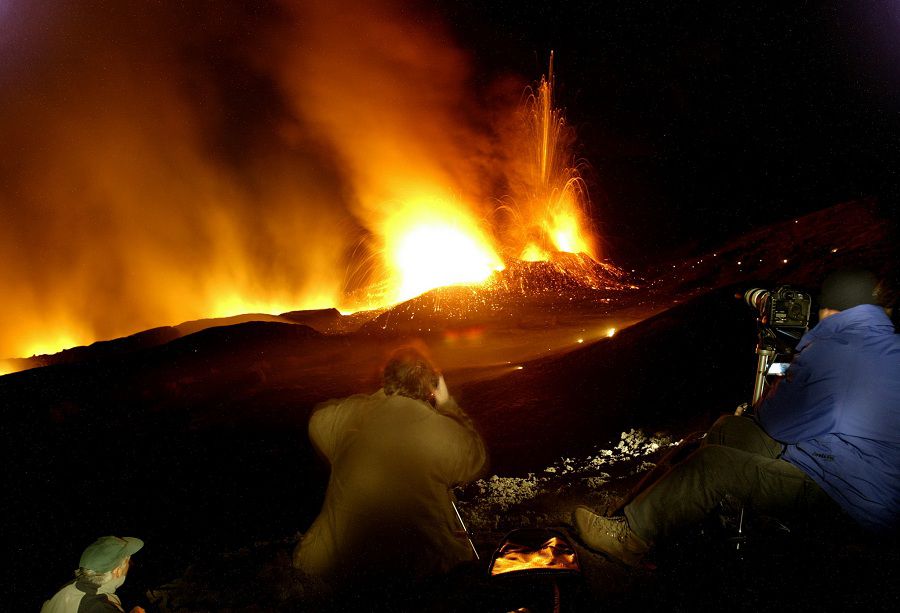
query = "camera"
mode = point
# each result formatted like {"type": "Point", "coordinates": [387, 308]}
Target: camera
{"type": "Point", "coordinates": [783, 307]}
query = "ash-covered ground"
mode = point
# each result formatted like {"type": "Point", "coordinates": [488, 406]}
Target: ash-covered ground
{"type": "Point", "coordinates": [194, 437]}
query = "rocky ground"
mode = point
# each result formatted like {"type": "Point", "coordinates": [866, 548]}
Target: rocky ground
{"type": "Point", "coordinates": [770, 566]}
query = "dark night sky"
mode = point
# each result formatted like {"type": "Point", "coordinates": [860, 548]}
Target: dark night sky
{"type": "Point", "coordinates": [701, 118]}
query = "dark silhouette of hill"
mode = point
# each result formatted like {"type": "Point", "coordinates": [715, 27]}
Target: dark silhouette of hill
{"type": "Point", "coordinates": [674, 371]}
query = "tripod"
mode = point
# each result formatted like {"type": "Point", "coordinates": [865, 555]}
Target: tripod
{"type": "Point", "coordinates": [768, 348]}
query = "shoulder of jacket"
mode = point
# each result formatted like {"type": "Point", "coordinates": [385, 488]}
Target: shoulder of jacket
{"type": "Point", "coordinates": [100, 603]}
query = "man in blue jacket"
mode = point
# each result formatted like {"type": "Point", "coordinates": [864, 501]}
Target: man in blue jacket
{"type": "Point", "coordinates": [828, 436]}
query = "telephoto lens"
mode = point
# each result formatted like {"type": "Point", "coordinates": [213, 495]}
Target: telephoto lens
{"type": "Point", "coordinates": [756, 298]}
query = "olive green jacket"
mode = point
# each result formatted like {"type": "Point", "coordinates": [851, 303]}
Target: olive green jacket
{"type": "Point", "coordinates": [387, 508]}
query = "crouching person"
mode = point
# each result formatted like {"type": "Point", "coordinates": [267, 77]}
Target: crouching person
{"type": "Point", "coordinates": [394, 455]}
{"type": "Point", "coordinates": [101, 570]}
{"type": "Point", "coordinates": [827, 437]}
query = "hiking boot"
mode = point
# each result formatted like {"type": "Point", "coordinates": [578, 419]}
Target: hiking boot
{"type": "Point", "coordinates": [610, 535]}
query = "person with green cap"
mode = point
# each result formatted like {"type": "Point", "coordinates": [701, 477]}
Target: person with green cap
{"type": "Point", "coordinates": [101, 571]}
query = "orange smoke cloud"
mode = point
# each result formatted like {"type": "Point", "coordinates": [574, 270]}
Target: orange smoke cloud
{"type": "Point", "coordinates": [139, 189]}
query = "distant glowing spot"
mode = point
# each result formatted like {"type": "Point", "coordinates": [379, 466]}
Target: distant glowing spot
{"type": "Point", "coordinates": [784, 260]}
{"type": "Point", "coordinates": [580, 340]}
{"type": "Point", "coordinates": [519, 367]}
{"type": "Point", "coordinates": [611, 332]}
{"type": "Point", "coordinates": [739, 263]}
{"type": "Point", "coordinates": [834, 250]}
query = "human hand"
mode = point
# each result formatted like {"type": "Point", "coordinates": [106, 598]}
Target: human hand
{"type": "Point", "coordinates": [441, 395]}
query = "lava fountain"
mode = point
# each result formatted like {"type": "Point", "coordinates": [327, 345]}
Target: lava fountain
{"type": "Point", "coordinates": [549, 201]}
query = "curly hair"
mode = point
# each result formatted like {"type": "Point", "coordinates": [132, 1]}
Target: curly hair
{"type": "Point", "coordinates": [97, 578]}
{"type": "Point", "coordinates": [409, 373]}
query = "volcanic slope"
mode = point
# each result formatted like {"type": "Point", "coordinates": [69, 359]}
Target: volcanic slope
{"type": "Point", "coordinates": [523, 295]}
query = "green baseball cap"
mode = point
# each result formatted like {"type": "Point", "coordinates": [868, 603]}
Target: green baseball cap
{"type": "Point", "coordinates": [107, 552]}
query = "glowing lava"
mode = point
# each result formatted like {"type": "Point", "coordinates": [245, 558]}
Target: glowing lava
{"type": "Point", "coordinates": [436, 247]}
{"type": "Point", "coordinates": [435, 256]}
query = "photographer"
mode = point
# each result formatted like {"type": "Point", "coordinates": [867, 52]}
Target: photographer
{"type": "Point", "coordinates": [394, 455]}
{"type": "Point", "coordinates": [827, 437]}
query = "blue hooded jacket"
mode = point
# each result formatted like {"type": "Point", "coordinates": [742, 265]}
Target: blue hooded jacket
{"type": "Point", "coordinates": [838, 413]}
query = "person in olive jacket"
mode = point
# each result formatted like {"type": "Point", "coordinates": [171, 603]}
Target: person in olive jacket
{"type": "Point", "coordinates": [394, 456]}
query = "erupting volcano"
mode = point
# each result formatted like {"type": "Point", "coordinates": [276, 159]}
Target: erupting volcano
{"type": "Point", "coordinates": [421, 228]}
{"type": "Point", "coordinates": [433, 244]}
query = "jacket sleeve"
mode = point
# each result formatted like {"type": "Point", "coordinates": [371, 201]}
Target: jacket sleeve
{"type": "Point", "coordinates": [100, 603]}
{"type": "Point", "coordinates": [328, 423]}
{"type": "Point", "coordinates": [804, 404]}
{"type": "Point", "coordinates": [466, 456]}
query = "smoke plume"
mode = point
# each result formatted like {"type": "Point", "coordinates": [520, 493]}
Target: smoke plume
{"type": "Point", "coordinates": [171, 161]}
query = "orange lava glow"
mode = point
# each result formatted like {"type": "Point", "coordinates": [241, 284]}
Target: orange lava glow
{"type": "Point", "coordinates": [566, 230]}
{"type": "Point", "coordinates": [6, 368]}
{"type": "Point", "coordinates": [432, 245]}
{"type": "Point", "coordinates": [430, 256]}
{"type": "Point", "coordinates": [554, 554]}
{"type": "Point", "coordinates": [464, 335]}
